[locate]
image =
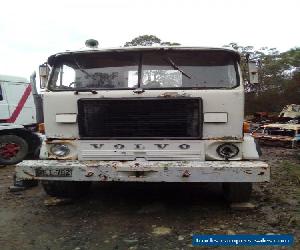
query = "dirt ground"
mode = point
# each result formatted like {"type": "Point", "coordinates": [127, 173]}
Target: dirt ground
{"type": "Point", "coordinates": [150, 216]}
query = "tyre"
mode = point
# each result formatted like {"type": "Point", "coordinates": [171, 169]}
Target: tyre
{"type": "Point", "coordinates": [67, 189]}
{"type": "Point", "coordinates": [13, 149]}
{"type": "Point", "coordinates": [237, 191]}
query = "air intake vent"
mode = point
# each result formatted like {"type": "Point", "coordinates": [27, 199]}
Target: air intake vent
{"type": "Point", "coordinates": [147, 118]}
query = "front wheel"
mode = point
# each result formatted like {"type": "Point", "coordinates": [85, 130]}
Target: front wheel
{"type": "Point", "coordinates": [66, 189]}
{"type": "Point", "coordinates": [237, 191]}
{"type": "Point", "coordinates": [13, 149]}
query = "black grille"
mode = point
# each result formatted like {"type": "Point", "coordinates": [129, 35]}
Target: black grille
{"type": "Point", "coordinates": [140, 118]}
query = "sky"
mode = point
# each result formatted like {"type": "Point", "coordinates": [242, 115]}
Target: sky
{"type": "Point", "coordinates": [32, 30]}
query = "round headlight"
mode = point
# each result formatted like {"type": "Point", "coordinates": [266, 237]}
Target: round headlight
{"type": "Point", "coordinates": [227, 150]}
{"type": "Point", "coordinates": [60, 150]}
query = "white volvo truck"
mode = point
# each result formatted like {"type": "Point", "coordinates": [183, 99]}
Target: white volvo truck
{"type": "Point", "coordinates": [19, 116]}
{"type": "Point", "coordinates": [145, 114]}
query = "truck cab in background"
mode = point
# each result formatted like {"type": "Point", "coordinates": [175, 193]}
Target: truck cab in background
{"type": "Point", "coordinates": [18, 119]}
{"type": "Point", "coordinates": [145, 114]}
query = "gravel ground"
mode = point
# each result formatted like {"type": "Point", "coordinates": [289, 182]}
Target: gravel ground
{"type": "Point", "coordinates": [149, 216]}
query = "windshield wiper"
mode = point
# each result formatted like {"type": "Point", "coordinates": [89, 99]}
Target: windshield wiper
{"type": "Point", "coordinates": [82, 70]}
{"type": "Point", "coordinates": [171, 62]}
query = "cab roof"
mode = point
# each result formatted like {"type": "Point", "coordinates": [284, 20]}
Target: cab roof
{"type": "Point", "coordinates": [9, 78]}
{"type": "Point", "coordinates": [52, 58]}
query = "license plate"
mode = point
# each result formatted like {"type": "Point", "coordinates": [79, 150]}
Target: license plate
{"type": "Point", "coordinates": [54, 172]}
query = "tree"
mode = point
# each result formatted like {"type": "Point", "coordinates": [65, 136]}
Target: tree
{"type": "Point", "coordinates": [148, 40]}
{"type": "Point", "coordinates": [164, 77]}
{"type": "Point", "coordinates": [274, 66]}
{"type": "Point", "coordinates": [264, 57]}
{"type": "Point", "coordinates": [279, 81]}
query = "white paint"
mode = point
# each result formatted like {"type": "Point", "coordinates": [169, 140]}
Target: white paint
{"type": "Point", "coordinates": [249, 148]}
{"type": "Point", "coordinates": [10, 126]}
{"type": "Point", "coordinates": [66, 118]}
{"type": "Point", "coordinates": [215, 117]}
{"type": "Point", "coordinates": [13, 89]}
{"type": "Point", "coordinates": [230, 101]}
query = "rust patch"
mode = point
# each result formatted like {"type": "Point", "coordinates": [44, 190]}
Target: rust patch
{"type": "Point", "coordinates": [272, 138]}
{"type": "Point", "coordinates": [186, 173]}
{"type": "Point", "coordinates": [169, 94]}
{"type": "Point", "coordinates": [53, 157]}
{"type": "Point", "coordinates": [225, 138]}
{"type": "Point", "coordinates": [174, 94]}
{"type": "Point", "coordinates": [103, 177]}
{"type": "Point", "coordinates": [52, 141]}
{"type": "Point", "coordinates": [281, 134]}
{"type": "Point", "coordinates": [89, 174]}
{"type": "Point", "coordinates": [25, 172]}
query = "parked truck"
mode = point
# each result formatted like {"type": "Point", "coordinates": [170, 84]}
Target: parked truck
{"type": "Point", "coordinates": [19, 116]}
{"type": "Point", "coordinates": [145, 114]}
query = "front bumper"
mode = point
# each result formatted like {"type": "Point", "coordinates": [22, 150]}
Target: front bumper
{"type": "Point", "coordinates": [144, 171]}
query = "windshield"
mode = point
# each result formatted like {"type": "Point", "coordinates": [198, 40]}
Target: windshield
{"type": "Point", "coordinates": [148, 70]}
{"type": "Point", "coordinates": [96, 71]}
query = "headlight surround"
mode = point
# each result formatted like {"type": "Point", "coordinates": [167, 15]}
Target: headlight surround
{"type": "Point", "coordinates": [60, 150]}
{"type": "Point", "coordinates": [227, 150]}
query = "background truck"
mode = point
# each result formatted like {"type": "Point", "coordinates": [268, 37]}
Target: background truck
{"type": "Point", "coordinates": [145, 114]}
{"type": "Point", "coordinates": [20, 111]}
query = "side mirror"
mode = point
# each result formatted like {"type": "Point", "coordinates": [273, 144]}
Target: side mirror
{"type": "Point", "coordinates": [44, 74]}
{"type": "Point", "coordinates": [253, 72]}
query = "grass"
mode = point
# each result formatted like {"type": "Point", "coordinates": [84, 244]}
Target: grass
{"type": "Point", "coordinates": [293, 170]}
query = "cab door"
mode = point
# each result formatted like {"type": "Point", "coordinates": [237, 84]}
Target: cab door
{"type": "Point", "coordinates": [4, 108]}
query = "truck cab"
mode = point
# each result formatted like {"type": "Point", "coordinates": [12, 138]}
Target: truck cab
{"type": "Point", "coordinates": [146, 114]}
{"type": "Point", "coordinates": [17, 119]}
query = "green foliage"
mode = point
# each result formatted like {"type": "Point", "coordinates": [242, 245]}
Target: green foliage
{"type": "Point", "coordinates": [293, 171]}
{"type": "Point", "coordinates": [169, 44]}
{"type": "Point", "coordinates": [148, 40]}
